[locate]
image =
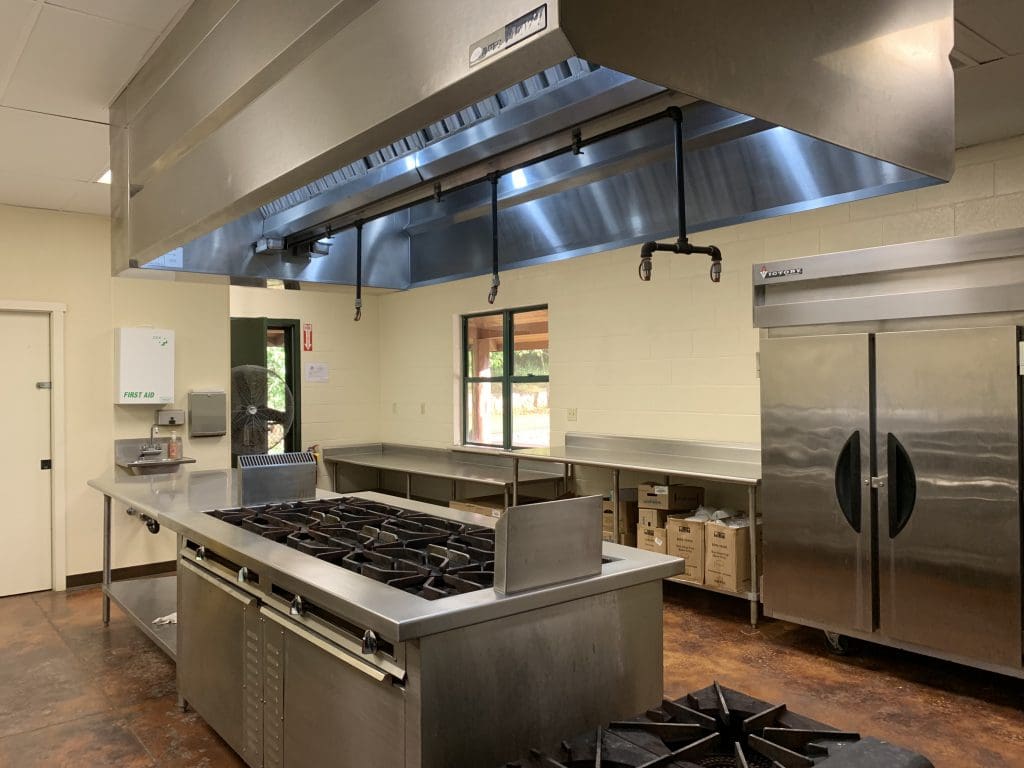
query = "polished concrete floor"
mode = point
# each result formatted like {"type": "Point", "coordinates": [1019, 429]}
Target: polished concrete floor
{"type": "Point", "coordinates": [75, 694]}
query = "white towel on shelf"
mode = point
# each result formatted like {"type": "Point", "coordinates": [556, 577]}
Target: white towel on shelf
{"type": "Point", "coordinates": [170, 618]}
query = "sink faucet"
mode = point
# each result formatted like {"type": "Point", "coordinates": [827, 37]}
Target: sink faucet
{"type": "Point", "coordinates": [153, 449]}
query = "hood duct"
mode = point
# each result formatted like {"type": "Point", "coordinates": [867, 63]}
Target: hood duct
{"type": "Point", "coordinates": [244, 125]}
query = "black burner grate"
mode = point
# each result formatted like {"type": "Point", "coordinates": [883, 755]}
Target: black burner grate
{"type": "Point", "coordinates": [431, 557]}
{"type": "Point", "coordinates": [716, 727]}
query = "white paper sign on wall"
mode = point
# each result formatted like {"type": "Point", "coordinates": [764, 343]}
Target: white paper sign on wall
{"type": "Point", "coordinates": [317, 373]}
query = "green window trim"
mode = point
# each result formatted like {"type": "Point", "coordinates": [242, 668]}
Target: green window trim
{"type": "Point", "coordinates": [508, 377]}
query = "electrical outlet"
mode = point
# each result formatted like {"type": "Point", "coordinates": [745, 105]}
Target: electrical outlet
{"type": "Point", "coordinates": [570, 414]}
{"type": "Point", "coordinates": [423, 409]}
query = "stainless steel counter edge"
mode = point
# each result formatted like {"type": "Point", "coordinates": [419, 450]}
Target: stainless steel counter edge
{"type": "Point", "coordinates": [697, 469]}
{"type": "Point", "coordinates": [179, 503]}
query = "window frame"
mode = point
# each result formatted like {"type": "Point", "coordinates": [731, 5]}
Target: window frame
{"type": "Point", "coordinates": [508, 377]}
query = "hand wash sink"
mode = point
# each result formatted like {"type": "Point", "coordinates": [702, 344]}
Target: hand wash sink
{"type": "Point", "coordinates": [139, 458]}
{"type": "Point", "coordinates": [154, 466]}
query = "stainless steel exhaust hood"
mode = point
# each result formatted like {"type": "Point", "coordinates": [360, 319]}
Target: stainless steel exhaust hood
{"type": "Point", "coordinates": [291, 122]}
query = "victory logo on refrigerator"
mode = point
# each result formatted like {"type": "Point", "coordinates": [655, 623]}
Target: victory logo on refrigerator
{"type": "Point", "coordinates": [767, 274]}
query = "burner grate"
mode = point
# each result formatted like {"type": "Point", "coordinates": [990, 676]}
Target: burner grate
{"type": "Point", "coordinates": [424, 555]}
{"type": "Point", "coordinates": [716, 727]}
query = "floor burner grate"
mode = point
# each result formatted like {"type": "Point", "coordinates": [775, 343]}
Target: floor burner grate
{"type": "Point", "coordinates": [717, 727]}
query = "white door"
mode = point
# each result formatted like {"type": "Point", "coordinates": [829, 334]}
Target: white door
{"type": "Point", "coordinates": [25, 511]}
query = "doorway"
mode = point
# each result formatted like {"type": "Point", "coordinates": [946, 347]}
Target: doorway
{"type": "Point", "coordinates": [25, 456]}
{"type": "Point", "coordinates": [273, 343]}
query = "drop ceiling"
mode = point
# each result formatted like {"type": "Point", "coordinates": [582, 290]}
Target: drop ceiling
{"type": "Point", "coordinates": [61, 64]}
{"type": "Point", "coordinates": [63, 61]}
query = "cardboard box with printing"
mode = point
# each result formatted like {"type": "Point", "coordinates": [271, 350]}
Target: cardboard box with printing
{"type": "Point", "coordinates": [727, 554]}
{"type": "Point", "coordinates": [628, 516]}
{"type": "Point", "coordinates": [684, 537]}
{"type": "Point", "coordinates": [674, 497]}
{"type": "Point", "coordinates": [652, 518]}
{"type": "Point", "coordinates": [651, 539]}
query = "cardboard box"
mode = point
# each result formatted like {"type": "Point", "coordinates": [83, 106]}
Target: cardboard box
{"type": "Point", "coordinates": [628, 515]}
{"type": "Point", "coordinates": [684, 537]}
{"type": "Point", "coordinates": [492, 506]}
{"type": "Point", "coordinates": [651, 539]}
{"type": "Point", "coordinates": [727, 554]}
{"type": "Point", "coordinates": [628, 538]}
{"type": "Point", "coordinates": [608, 536]}
{"type": "Point", "coordinates": [652, 518]}
{"type": "Point", "coordinates": [675, 497]}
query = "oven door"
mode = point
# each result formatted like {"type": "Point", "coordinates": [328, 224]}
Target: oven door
{"type": "Point", "coordinates": [324, 705]}
{"type": "Point", "coordinates": [219, 658]}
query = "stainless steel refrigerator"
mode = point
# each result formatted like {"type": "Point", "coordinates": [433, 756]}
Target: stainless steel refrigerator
{"type": "Point", "coordinates": [891, 452]}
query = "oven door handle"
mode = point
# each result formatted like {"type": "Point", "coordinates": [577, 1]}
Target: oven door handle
{"type": "Point", "coordinates": [902, 485]}
{"type": "Point", "coordinates": [338, 653]}
{"type": "Point", "coordinates": [847, 481]}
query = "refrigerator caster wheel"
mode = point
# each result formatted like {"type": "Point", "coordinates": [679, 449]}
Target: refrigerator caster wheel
{"type": "Point", "coordinates": [838, 644]}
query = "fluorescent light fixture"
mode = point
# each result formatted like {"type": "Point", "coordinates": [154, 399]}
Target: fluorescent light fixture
{"type": "Point", "coordinates": [105, 178]}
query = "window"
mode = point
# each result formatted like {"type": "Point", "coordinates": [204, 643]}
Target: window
{"type": "Point", "coordinates": [505, 378]}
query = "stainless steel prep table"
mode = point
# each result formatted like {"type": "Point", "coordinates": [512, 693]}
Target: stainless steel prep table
{"type": "Point", "coordinates": [485, 468]}
{"type": "Point", "coordinates": [179, 501]}
{"type": "Point", "coordinates": [732, 463]}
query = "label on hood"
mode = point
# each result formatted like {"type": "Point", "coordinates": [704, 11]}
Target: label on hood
{"type": "Point", "coordinates": [514, 32]}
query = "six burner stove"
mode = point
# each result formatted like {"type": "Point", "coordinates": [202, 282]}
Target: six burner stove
{"type": "Point", "coordinates": [425, 555]}
{"type": "Point", "coordinates": [716, 727]}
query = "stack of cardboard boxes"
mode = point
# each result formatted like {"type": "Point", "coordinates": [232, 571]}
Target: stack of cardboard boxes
{"type": "Point", "coordinates": [658, 503]}
{"type": "Point", "coordinates": [628, 518]}
{"type": "Point", "coordinates": [714, 543]}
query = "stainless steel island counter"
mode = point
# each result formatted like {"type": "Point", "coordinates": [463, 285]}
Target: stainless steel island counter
{"type": "Point", "coordinates": [295, 660]}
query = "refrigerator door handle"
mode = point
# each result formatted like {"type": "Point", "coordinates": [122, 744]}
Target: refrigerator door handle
{"type": "Point", "coordinates": [902, 485]}
{"type": "Point", "coordinates": [847, 480]}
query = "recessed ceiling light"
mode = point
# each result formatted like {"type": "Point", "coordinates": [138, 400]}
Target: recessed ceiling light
{"type": "Point", "coordinates": [105, 178]}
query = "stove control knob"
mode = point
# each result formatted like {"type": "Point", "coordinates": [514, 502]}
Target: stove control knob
{"type": "Point", "coordinates": [369, 642]}
{"type": "Point", "coordinates": [201, 553]}
{"type": "Point", "coordinates": [296, 609]}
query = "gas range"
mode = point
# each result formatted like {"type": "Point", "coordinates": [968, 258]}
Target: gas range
{"type": "Point", "coordinates": [717, 727]}
{"type": "Point", "coordinates": [424, 555]}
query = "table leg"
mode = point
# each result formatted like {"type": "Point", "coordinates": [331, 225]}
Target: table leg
{"type": "Point", "coordinates": [615, 505]}
{"type": "Point", "coordinates": [755, 581]}
{"type": "Point", "coordinates": [106, 558]}
{"type": "Point", "coordinates": [515, 480]}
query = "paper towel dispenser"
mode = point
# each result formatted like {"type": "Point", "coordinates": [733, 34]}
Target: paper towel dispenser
{"type": "Point", "coordinates": [207, 414]}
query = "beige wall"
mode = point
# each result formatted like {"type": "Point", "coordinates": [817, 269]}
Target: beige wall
{"type": "Point", "coordinates": [65, 258]}
{"type": "Point", "coordinates": [674, 357]}
{"type": "Point", "coordinates": [345, 409]}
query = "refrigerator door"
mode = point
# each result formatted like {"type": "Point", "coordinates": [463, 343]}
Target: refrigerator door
{"type": "Point", "coordinates": [815, 452]}
{"type": "Point", "coordinates": [949, 538]}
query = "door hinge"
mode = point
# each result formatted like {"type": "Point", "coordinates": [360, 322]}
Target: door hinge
{"type": "Point", "coordinates": [44, 385]}
{"type": "Point", "coordinates": [46, 464]}
{"type": "Point", "coordinates": [876, 482]}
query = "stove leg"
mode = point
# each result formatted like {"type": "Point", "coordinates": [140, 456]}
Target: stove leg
{"type": "Point", "coordinates": [755, 580]}
{"type": "Point", "coordinates": [106, 559]}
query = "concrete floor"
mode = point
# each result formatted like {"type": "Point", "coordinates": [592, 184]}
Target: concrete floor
{"type": "Point", "coordinates": [75, 694]}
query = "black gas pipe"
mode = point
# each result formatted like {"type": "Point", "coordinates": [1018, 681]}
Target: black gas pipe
{"type": "Point", "coordinates": [495, 280]}
{"type": "Point", "coordinates": [682, 244]}
{"type": "Point", "coordinates": [359, 271]}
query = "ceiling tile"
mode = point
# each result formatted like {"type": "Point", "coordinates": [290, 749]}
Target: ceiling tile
{"type": "Point", "coordinates": [148, 14]}
{"type": "Point", "coordinates": [1001, 22]}
{"type": "Point", "coordinates": [44, 145]}
{"type": "Point", "coordinates": [15, 16]}
{"type": "Point", "coordinates": [90, 198]}
{"type": "Point", "coordinates": [36, 191]}
{"type": "Point", "coordinates": [74, 64]}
